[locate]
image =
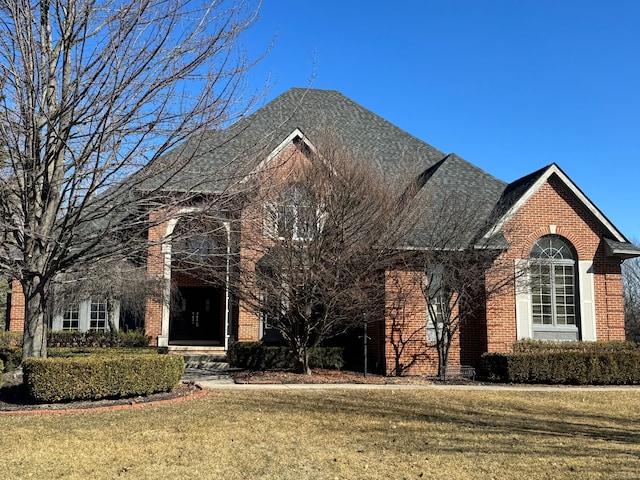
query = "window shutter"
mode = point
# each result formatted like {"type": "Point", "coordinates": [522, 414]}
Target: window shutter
{"type": "Point", "coordinates": [587, 304]}
{"type": "Point", "coordinates": [523, 300]}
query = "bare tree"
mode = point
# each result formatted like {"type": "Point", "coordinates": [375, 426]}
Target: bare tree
{"type": "Point", "coordinates": [631, 284]}
{"type": "Point", "coordinates": [92, 92]}
{"type": "Point", "coordinates": [456, 273]}
{"type": "Point", "coordinates": [314, 247]}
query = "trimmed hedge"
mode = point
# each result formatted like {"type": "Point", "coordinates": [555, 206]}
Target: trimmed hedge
{"type": "Point", "coordinates": [98, 338]}
{"type": "Point", "coordinates": [614, 367]}
{"type": "Point", "coordinates": [92, 338]}
{"type": "Point", "coordinates": [10, 339]}
{"type": "Point", "coordinates": [92, 377]}
{"type": "Point", "coordinates": [12, 356]}
{"type": "Point", "coordinates": [258, 356]}
{"type": "Point", "coordinates": [524, 346]}
{"type": "Point", "coordinates": [1, 370]}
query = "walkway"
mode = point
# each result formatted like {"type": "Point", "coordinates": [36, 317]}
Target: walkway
{"type": "Point", "coordinates": [214, 374]}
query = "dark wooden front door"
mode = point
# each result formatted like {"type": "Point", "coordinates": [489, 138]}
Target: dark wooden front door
{"type": "Point", "coordinates": [196, 315]}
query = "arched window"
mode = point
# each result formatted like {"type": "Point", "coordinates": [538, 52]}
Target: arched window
{"type": "Point", "coordinates": [553, 287]}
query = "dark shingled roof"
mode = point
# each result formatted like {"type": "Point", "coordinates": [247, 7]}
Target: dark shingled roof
{"type": "Point", "coordinates": [460, 202]}
{"type": "Point", "coordinates": [221, 156]}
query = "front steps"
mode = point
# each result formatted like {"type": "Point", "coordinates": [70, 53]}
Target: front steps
{"type": "Point", "coordinates": [206, 362]}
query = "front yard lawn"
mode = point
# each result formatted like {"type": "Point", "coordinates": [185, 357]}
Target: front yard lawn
{"type": "Point", "coordinates": [345, 434]}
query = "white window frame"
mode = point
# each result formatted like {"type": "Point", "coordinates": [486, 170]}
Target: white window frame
{"type": "Point", "coordinates": [71, 316]}
{"type": "Point", "coordinates": [586, 314]}
{"type": "Point", "coordinates": [98, 317]}
{"type": "Point", "coordinates": [276, 212]}
{"type": "Point", "coordinates": [84, 317]}
{"type": "Point", "coordinates": [438, 306]}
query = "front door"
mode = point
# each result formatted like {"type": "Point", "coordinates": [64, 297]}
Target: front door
{"type": "Point", "coordinates": [196, 315]}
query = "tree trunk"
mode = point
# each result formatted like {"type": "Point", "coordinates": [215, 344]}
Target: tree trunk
{"type": "Point", "coordinates": [443, 358]}
{"type": "Point", "coordinates": [111, 317]}
{"type": "Point", "coordinates": [302, 362]}
{"type": "Point", "coordinates": [34, 339]}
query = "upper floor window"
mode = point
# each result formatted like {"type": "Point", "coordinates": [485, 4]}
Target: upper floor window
{"type": "Point", "coordinates": [553, 283]}
{"type": "Point", "coordinates": [293, 215]}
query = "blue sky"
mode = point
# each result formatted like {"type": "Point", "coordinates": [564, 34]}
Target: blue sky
{"type": "Point", "coordinates": [510, 86]}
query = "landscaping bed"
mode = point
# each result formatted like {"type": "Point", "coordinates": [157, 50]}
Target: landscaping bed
{"type": "Point", "coordinates": [320, 376]}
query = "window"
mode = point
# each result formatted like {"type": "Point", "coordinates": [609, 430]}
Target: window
{"type": "Point", "coordinates": [553, 284]}
{"type": "Point", "coordinates": [292, 216]}
{"type": "Point", "coordinates": [70, 319]}
{"type": "Point", "coordinates": [438, 310]}
{"type": "Point", "coordinates": [98, 316]}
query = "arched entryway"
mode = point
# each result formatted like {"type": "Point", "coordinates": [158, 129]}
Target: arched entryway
{"type": "Point", "coordinates": [196, 307]}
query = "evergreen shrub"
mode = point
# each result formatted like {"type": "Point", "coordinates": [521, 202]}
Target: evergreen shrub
{"type": "Point", "coordinates": [258, 356]}
{"type": "Point", "coordinates": [92, 377]}
{"type": "Point", "coordinates": [98, 338]}
{"type": "Point", "coordinates": [577, 363]}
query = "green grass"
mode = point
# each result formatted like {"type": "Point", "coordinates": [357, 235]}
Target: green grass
{"type": "Point", "coordinates": [327, 434]}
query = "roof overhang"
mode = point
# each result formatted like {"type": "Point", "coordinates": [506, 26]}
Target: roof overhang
{"type": "Point", "coordinates": [621, 250]}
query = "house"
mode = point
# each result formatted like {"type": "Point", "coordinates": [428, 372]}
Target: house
{"type": "Point", "coordinates": [542, 221]}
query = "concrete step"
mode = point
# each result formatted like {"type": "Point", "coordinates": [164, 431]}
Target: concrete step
{"type": "Point", "coordinates": [206, 362]}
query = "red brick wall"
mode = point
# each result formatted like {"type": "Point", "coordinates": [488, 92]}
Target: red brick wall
{"type": "Point", "coordinates": [406, 327]}
{"type": "Point", "coordinates": [554, 205]}
{"type": "Point", "coordinates": [16, 314]}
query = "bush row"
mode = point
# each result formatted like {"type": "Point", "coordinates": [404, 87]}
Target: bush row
{"type": "Point", "coordinates": [92, 338]}
{"type": "Point", "coordinates": [10, 339]}
{"type": "Point", "coordinates": [93, 377]}
{"type": "Point", "coordinates": [98, 338]}
{"type": "Point", "coordinates": [258, 356]}
{"type": "Point", "coordinates": [566, 367]}
{"type": "Point", "coordinates": [12, 356]}
{"type": "Point", "coordinates": [524, 346]}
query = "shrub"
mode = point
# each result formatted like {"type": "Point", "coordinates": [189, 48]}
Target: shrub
{"type": "Point", "coordinates": [573, 366]}
{"type": "Point", "coordinates": [98, 338]}
{"type": "Point", "coordinates": [258, 356]}
{"type": "Point", "coordinates": [11, 358]}
{"type": "Point", "coordinates": [60, 352]}
{"type": "Point", "coordinates": [523, 346]}
{"type": "Point", "coordinates": [93, 377]}
{"type": "Point", "coordinates": [10, 339]}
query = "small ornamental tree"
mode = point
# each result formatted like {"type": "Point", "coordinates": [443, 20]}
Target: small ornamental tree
{"type": "Point", "coordinates": [456, 272]}
{"type": "Point", "coordinates": [314, 246]}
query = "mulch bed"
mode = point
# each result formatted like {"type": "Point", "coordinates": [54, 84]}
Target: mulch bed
{"type": "Point", "coordinates": [14, 398]}
{"type": "Point", "coordinates": [324, 376]}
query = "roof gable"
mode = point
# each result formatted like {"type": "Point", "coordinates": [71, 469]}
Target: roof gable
{"type": "Point", "coordinates": [519, 192]}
